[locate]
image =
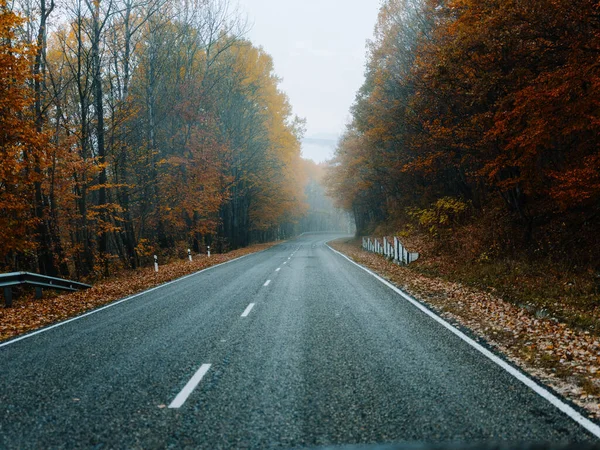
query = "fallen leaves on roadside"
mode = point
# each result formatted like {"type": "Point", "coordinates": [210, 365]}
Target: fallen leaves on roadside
{"type": "Point", "coordinates": [566, 359]}
{"type": "Point", "coordinates": [28, 314]}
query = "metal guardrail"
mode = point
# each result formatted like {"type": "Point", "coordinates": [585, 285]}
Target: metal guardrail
{"type": "Point", "coordinates": [8, 280]}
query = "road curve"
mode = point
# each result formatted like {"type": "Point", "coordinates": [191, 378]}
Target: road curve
{"type": "Point", "coordinates": [291, 347]}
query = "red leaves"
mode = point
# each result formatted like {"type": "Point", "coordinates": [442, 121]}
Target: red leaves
{"type": "Point", "coordinates": [579, 184]}
{"type": "Point", "coordinates": [497, 103]}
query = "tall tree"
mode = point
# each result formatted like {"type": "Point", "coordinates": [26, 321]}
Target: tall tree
{"type": "Point", "coordinates": [22, 156]}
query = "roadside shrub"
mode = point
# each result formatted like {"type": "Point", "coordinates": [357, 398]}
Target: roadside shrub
{"type": "Point", "coordinates": [443, 214]}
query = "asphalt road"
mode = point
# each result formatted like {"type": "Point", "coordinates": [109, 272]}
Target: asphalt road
{"type": "Point", "coordinates": [326, 355]}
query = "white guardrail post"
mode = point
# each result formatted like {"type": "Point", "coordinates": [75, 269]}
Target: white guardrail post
{"type": "Point", "coordinates": [392, 249]}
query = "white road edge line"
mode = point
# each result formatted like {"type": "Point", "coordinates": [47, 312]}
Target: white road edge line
{"type": "Point", "coordinates": [189, 387]}
{"type": "Point", "coordinates": [118, 302]}
{"type": "Point", "coordinates": [248, 309]}
{"type": "Point", "coordinates": [267, 283]}
{"type": "Point", "coordinates": [541, 391]}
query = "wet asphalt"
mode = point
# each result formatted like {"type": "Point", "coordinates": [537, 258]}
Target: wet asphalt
{"type": "Point", "coordinates": [327, 355]}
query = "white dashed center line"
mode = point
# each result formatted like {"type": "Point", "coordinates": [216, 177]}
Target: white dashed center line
{"type": "Point", "coordinates": [189, 387]}
{"type": "Point", "coordinates": [248, 309]}
{"type": "Point", "coordinates": [267, 283]}
{"type": "Point", "coordinates": [278, 269]}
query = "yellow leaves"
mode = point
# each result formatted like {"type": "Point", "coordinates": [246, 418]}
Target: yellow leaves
{"type": "Point", "coordinates": [97, 187]}
{"type": "Point", "coordinates": [144, 248]}
{"type": "Point", "coordinates": [192, 187]}
{"type": "Point", "coordinates": [9, 21]}
{"type": "Point", "coordinates": [444, 212]}
{"type": "Point", "coordinates": [277, 185]}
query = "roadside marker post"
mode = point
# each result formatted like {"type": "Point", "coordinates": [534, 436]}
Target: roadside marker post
{"type": "Point", "coordinates": [391, 248]}
{"type": "Point", "coordinates": [190, 255]}
{"type": "Point", "coordinates": [156, 263]}
{"type": "Point", "coordinates": [208, 248]}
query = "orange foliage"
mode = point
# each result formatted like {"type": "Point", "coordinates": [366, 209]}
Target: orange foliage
{"type": "Point", "coordinates": [20, 143]}
{"type": "Point", "coordinates": [148, 135]}
{"type": "Point", "coordinates": [496, 103]}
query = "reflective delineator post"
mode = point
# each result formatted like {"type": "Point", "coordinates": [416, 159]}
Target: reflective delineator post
{"type": "Point", "coordinates": [190, 254]}
{"type": "Point", "coordinates": [155, 263]}
{"type": "Point", "coordinates": [208, 248]}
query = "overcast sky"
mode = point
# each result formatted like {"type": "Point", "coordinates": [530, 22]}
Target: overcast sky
{"type": "Point", "coordinates": [318, 47]}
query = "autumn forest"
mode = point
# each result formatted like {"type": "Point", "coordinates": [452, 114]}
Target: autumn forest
{"type": "Point", "coordinates": [478, 127]}
{"type": "Point", "coordinates": [131, 128]}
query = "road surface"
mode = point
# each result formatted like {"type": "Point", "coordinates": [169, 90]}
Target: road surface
{"type": "Point", "coordinates": [291, 347]}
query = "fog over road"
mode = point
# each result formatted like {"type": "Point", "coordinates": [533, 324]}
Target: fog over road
{"type": "Point", "coordinates": [294, 346]}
